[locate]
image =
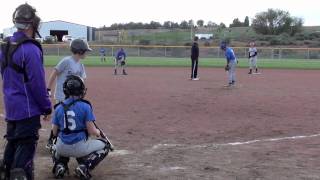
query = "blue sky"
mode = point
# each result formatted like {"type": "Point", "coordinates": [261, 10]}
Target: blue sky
{"type": "Point", "coordinates": [97, 13]}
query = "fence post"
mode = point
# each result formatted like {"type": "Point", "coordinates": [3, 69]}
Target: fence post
{"type": "Point", "coordinates": [245, 52]}
{"type": "Point", "coordinates": [308, 53]}
{"type": "Point", "coordinates": [218, 52]}
{"type": "Point", "coordinates": [139, 51]}
{"type": "Point", "coordinates": [58, 51]}
{"type": "Point", "coordinates": [272, 53]}
{"type": "Point", "coordinates": [112, 51]}
{"type": "Point", "coordinates": [165, 51]}
{"type": "Point", "coordinates": [280, 53]}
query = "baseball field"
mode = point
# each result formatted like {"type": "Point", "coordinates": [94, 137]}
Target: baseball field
{"type": "Point", "coordinates": [165, 126]}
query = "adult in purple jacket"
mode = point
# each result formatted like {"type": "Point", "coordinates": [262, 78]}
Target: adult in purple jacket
{"type": "Point", "coordinates": [25, 94]}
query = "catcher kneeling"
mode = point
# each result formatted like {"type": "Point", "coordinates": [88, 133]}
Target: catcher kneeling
{"type": "Point", "coordinates": [72, 125]}
{"type": "Point", "coordinates": [120, 61]}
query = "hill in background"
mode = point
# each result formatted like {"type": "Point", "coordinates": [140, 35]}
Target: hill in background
{"type": "Point", "coordinates": [237, 36]}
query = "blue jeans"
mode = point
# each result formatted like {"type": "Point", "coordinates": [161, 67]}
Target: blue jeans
{"type": "Point", "coordinates": [22, 137]}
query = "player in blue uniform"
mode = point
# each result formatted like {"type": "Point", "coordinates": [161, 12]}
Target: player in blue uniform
{"type": "Point", "coordinates": [73, 123]}
{"type": "Point", "coordinates": [102, 52]}
{"type": "Point", "coordinates": [231, 63]}
{"type": "Point", "coordinates": [120, 61]}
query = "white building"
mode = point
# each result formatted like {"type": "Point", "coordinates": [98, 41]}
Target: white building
{"type": "Point", "coordinates": [204, 36]}
{"type": "Point", "coordinates": [59, 28]}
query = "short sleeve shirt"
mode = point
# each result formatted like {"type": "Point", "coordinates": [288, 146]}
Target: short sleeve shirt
{"type": "Point", "coordinates": [78, 114]}
{"type": "Point", "coordinates": [67, 66]}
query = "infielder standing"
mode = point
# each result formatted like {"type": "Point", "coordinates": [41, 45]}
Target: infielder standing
{"type": "Point", "coordinates": [231, 63]}
{"type": "Point", "coordinates": [120, 61]}
{"type": "Point", "coordinates": [102, 53]}
{"type": "Point", "coordinates": [252, 58]}
{"type": "Point", "coordinates": [194, 59]}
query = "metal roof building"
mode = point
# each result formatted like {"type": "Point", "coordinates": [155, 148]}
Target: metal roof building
{"type": "Point", "coordinates": [59, 28]}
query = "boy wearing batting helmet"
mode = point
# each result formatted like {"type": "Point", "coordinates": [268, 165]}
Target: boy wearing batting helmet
{"type": "Point", "coordinates": [73, 124]}
{"type": "Point", "coordinates": [25, 94]}
{"type": "Point", "coordinates": [231, 63]}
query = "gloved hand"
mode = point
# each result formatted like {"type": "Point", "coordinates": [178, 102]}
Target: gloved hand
{"type": "Point", "coordinates": [226, 68]}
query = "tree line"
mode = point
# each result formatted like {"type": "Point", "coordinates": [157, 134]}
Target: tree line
{"type": "Point", "coordinates": [270, 22]}
{"type": "Point", "coordinates": [156, 25]}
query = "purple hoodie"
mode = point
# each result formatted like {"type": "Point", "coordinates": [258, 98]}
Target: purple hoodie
{"type": "Point", "coordinates": [25, 100]}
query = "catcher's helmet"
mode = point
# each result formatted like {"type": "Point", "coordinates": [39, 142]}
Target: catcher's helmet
{"type": "Point", "coordinates": [25, 17]}
{"type": "Point", "coordinates": [74, 86]}
{"type": "Point", "coordinates": [79, 46]}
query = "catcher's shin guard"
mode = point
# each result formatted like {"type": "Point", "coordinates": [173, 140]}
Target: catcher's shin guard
{"type": "Point", "coordinates": [93, 159]}
{"type": "Point", "coordinates": [60, 161]}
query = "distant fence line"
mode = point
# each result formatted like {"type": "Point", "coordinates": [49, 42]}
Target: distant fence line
{"type": "Point", "coordinates": [184, 51]}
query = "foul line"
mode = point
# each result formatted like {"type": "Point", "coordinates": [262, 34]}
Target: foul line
{"type": "Point", "coordinates": [233, 143]}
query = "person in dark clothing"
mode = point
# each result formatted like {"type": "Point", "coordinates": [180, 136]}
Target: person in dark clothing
{"type": "Point", "coordinates": [194, 59]}
{"type": "Point", "coordinates": [25, 94]}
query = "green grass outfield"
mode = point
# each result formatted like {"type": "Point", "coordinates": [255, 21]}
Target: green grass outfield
{"type": "Point", "coordinates": [203, 62]}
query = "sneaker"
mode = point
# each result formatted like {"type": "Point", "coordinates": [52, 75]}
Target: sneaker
{"type": "Point", "coordinates": [124, 73]}
{"type": "Point", "coordinates": [82, 172]}
{"type": "Point", "coordinates": [59, 171]}
{"type": "Point", "coordinates": [115, 72]}
{"type": "Point", "coordinates": [195, 79]}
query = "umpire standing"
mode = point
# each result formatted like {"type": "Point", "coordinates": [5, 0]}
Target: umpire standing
{"type": "Point", "coordinates": [25, 94]}
{"type": "Point", "coordinates": [194, 59]}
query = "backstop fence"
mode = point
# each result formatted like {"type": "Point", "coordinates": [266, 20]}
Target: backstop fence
{"type": "Point", "coordinates": [184, 51]}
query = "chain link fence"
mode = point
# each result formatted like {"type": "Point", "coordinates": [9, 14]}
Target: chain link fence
{"type": "Point", "coordinates": [184, 51]}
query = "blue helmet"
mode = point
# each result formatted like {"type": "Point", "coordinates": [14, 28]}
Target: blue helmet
{"type": "Point", "coordinates": [223, 45]}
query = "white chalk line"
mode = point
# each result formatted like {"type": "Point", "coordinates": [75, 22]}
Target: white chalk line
{"type": "Point", "coordinates": [214, 145]}
{"type": "Point", "coordinates": [231, 143]}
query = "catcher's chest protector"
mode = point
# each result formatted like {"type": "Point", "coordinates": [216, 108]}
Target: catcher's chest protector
{"type": "Point", "coordinates": [9, 48]}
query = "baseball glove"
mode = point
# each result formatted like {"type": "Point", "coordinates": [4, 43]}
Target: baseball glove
{"type": "Point", "coordinates": [226, 68]}
{"type": "Point", "coordinates": [123, 63]}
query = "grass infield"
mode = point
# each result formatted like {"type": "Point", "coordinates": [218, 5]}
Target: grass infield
{"type": "Point", "coordinates": [203, 62]}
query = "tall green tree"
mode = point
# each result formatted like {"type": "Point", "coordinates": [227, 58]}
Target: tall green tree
{"type": "Point", "coordinates": [184, 25]}
{"type": "Point", "coordinates": [275, 22]}
{"type": "Point", "coordinates": [246, 22]}
{"type": "Point", "coordinates": [200, 23]}
{"type": "Point", "coordinates": [236, 23]}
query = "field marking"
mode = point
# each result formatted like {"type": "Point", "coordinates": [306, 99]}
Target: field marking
{"type": "Point", "coordinates": [175, 168]}
{"type": "Point", "coordinates": [120, 152]}
{"type": "Point", "coordinates": [186, 146]}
